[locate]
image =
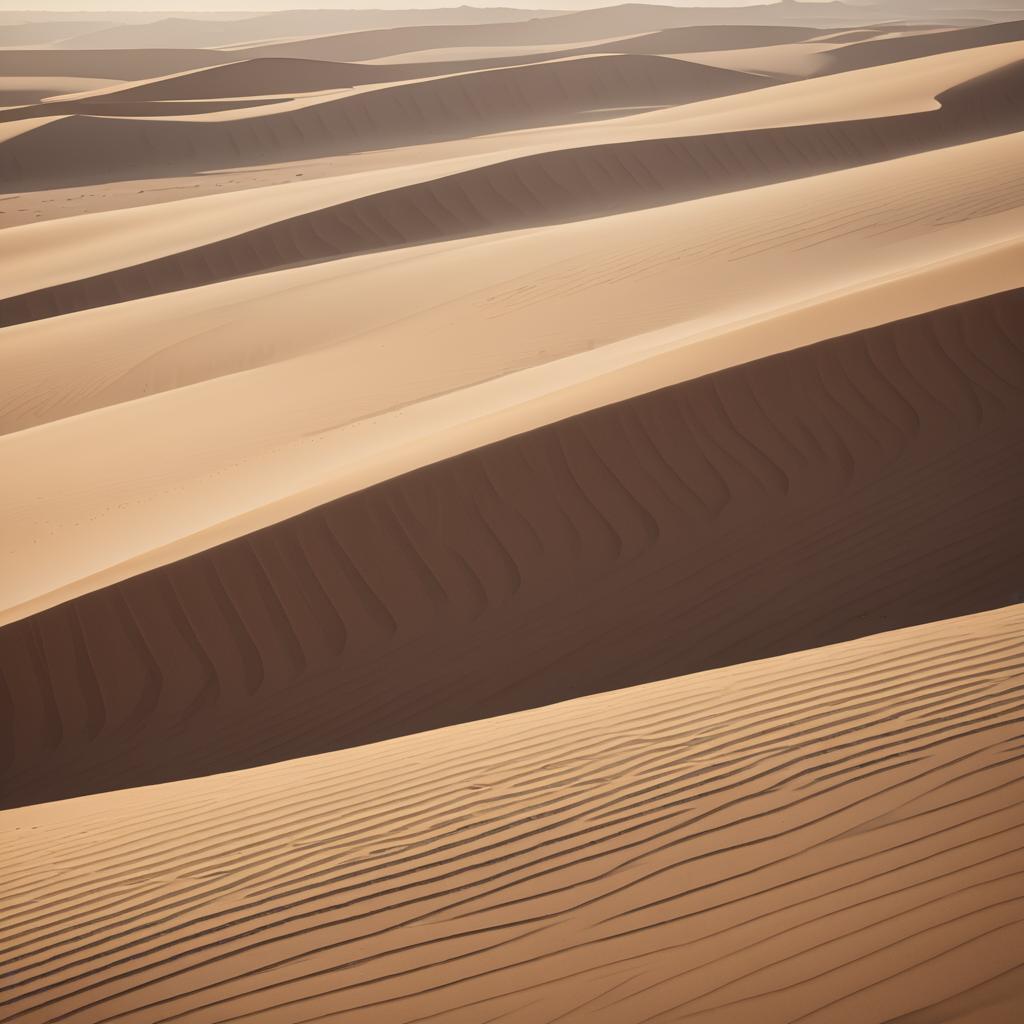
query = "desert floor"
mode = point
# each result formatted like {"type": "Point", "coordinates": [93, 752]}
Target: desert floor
{"type": "Point", "coordinates": [513, 515]}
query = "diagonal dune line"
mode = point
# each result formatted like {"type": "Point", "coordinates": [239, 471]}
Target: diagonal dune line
{"type": "Point", "coordinates": [831, 491]}
{"type": "Point", "coordinates": [827, 833]}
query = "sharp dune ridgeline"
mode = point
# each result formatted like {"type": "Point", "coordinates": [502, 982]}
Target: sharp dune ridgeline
{"type": "Point", "coordinates": [564, 184]}
{"type": "Point", "coordinates": [512, 515]}
{"type": "Point", "coordinates": [601, 551]}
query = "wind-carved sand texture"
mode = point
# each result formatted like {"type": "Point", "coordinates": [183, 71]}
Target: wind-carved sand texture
{"type": "Point", "coordinates": [834, 835]}
{"type": "Point", "coordinates": [512, 515]}
{"type": "Point", "coordinates": [791, 501]}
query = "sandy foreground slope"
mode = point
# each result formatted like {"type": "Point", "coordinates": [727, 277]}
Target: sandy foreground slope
{"type": "Point", "coordinates": [834, 836]}
{"type": "Point", "coordinates": [825, 493]}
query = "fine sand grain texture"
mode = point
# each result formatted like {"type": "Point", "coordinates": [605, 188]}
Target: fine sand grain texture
{"type": "Point", "coordinates": [180, 420]}
{"type": "Point", "coordinates": [833, 837]}
{"type": "Point", "coordinates": [513, 516]}
{"type": "Point", "coordinates": [856, 485]}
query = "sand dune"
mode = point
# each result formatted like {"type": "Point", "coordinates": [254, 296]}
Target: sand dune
{"type": "Point", "coordinates": [266, 76]}
{"type": "Point", "coordinates": [52, 32]}
{"type": "Point", "coordinates": [558, 185]}
{"type": "Point", "coordinates": [872, 52]}
{"type": "Point", "coordinates": [871, 92]}
{"type": "Point", "coordinates": [31, 88]}
{"type": "Point", "coordinates": [478, 339]}
{"type": "Point", "coordinates": [575, 27]}
{"type": "Point", "coordinates": [600, 551]}
{"type": "Point", "coordinates": [512, 516]}
{"type": "Point", "coordinates": [692, 39]}
{"type": "Point", "coordinates": [246, 77]}
{"type": "Point", "coordinates": [236, 30]}
{"type": "Point", "coordinates": [116, 64]}
{"type": "Point", "coordinates": [442, 108]}
{"type": "Point", "coordinates": [833, 836]}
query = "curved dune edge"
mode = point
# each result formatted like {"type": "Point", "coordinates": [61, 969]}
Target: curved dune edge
{"type": "Point", "coordinates": [831, 836]}
{"type": "Point", "coordinates": [460, 106]}
{"type": "Point", "coordinates": [782, 504]}
{"type": "Point", "coordinates": [452, 107]}
{"type": "Point", "coordinates": [546, 188]}
{"type": "Point", "coordinates": [815, 115]}
{"type": "Point", "coordinates": [131, 485]}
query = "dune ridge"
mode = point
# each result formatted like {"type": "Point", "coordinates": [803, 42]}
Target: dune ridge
{"type": "Point", "coordinates": [513, 517]}
{"type": "Point", "coordinates": [831, 836]}
{"type": "Point", "coordinates": [600, 551]}
{"type": "Point", "coordinates": [247, 29]}
{"type": "Point", "coordinates": [873, 52]}
{"type": "Point", "coordinates": [550, 187]}
{"type": "Point", "coordinates": [478, 339]}
{"type": "Point", "coordinates": [440, 108]}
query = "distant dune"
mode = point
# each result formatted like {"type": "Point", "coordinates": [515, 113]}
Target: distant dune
{"type": "Point", "coordinates": [563, 184]}
{"type": "Point", "coordinates": [116, 64]}
{"type": "Point", "coordinates": [32, 88]}
{"type": "Point", "coordinates": [872, 52]}
{"type": "Point", "coordinates": [261, 76]}
{"type": "Point", "coordinates": [212, 32]}
{"type": "Point", "coordinates": [574, 27]}
{"type": "Point", "coordinates": [783, 504]}
{"type": "Point", "coordinates": [441, 108]}
{"type": "Point", "coordinates": [829, 836]}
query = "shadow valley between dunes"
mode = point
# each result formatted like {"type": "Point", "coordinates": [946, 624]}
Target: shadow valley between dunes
{"type": "Point", "coordinates": [845, 488]}
{"type": "Point", "coordinates": [844, 815]}
{"type": "Point", "coordinates": [551, 187]}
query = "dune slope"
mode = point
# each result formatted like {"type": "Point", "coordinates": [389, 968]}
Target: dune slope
{"type": "Point", "coordinates": [832, 837]}
{"type": "Point", "coordinates": [789, 502]}
{"type": "Point", "coordinates": [453, 107]}
{"type": "Point", "coordinates": [552, 186]}
{"type": "Point", "coordinates": [872, 52]}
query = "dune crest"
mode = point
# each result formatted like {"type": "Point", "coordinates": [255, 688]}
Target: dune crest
{"type": "Point", "coordinates": [513, 516]}
{"type": "Point", "coordinates": [614, 541]}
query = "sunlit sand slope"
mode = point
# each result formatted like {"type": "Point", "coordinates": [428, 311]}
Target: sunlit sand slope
{"type": "Point", "coordinates": [830, 492]}
{"type": "Point", "coordinates": [556, 185]}
{"type": "Point", "coordinates": [832, 837]}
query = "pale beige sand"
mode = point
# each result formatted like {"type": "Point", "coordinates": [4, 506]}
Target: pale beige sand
{"type": "Point", "coordinates": [247, 421]}
{"type": "Point", "coordinates": [451, 107]}
{"type": "Point", "coordinates": [775, 506]}
{"type": "Point", "coordinates": [30, 88]}
{"type": "Point", "coordinates": [832, 837]}
{"type": "Point", "coordinates": [517, 364]}
{"type": "Point", "coordinates": [862, 94]}
{"type": "Point", "coordinates": [792, 60]}
{"type": "Point", "coordinates": [390, 210]}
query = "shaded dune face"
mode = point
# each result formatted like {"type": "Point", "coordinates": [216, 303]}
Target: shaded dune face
{"type": "Point", "coordinates": [258, 77]}
{"type": "Point", "coordinates": [549, 187]}
{"type": "Point", "coordinates": [840, 821]}
{"type": "Point", "coordinates": [122, 64]}
{"type": "Point", "coordinates": [873, 52]}
{"type": "Point", "coordinates": [463, 105]}
{"type": "Point", "coordinates": [854, 486]}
